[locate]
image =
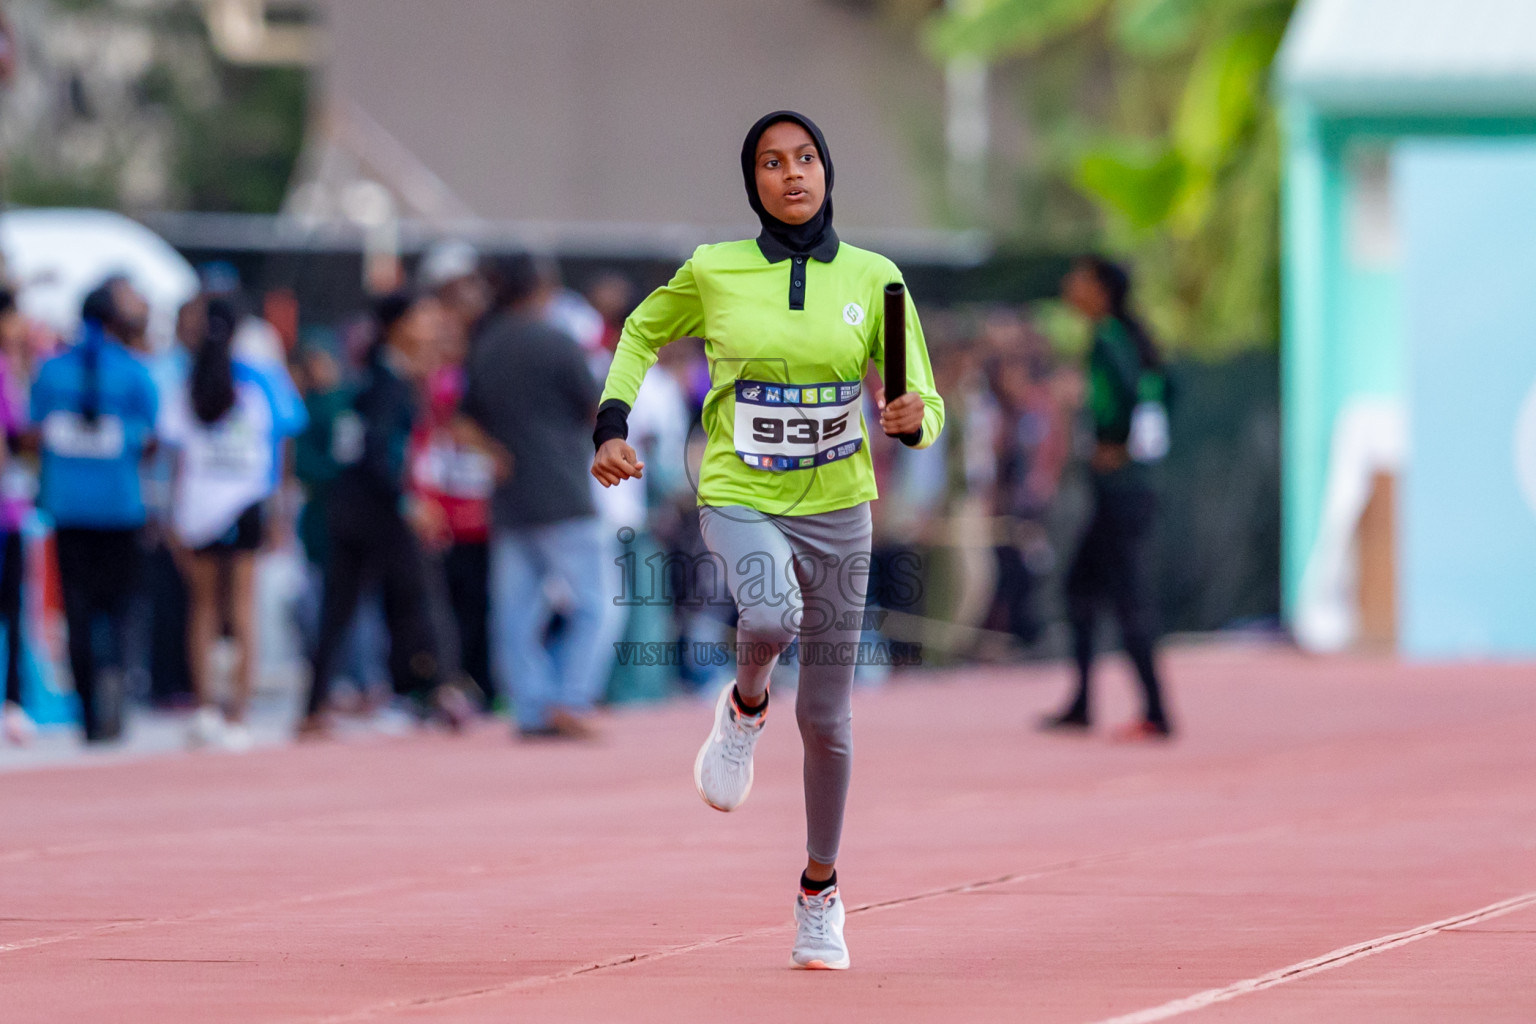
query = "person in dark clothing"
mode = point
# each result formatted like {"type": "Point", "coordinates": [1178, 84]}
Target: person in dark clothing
{"type": "Point", "coordinates": [372, 528]}
{"type": "Point", "coordinates": [1123, 366]}
{"type": "Point", "coordinates": [328, 398]}
{"type": "Point", "coordinates": [528, 388]}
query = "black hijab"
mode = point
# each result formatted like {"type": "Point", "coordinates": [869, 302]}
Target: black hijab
{"type": "Point", "coordinates": [780, 240]}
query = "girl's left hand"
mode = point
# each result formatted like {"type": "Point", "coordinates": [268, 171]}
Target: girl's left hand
{"type": "Point", "coordinates": [903, 416]}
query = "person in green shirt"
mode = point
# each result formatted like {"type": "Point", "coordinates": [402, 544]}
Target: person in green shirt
{"type": "Point", "coordinates": [1124, 369]}
{"type": "Point", "coordinates": [790, 321]}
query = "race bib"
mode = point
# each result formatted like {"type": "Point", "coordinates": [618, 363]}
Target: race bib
{"type": "Point", "coordinates": [70, 435]}
{"type": "Point", "coordinates": [796, 426]}
{"type": "Point", "coordinates": [448, 469]}
{"type": "Point", "coordinates": [347, 437]}
{"type": "Point", "coordinates": [234, 449]}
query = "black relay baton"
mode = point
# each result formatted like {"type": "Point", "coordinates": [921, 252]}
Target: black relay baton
{"type": "Point", "coordinates": [895, 372]}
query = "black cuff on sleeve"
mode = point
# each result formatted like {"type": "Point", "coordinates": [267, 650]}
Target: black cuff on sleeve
{"type": "Point", "coordinates": [913, 439]}
{"type": "Point", "coordinates": [612, 422]}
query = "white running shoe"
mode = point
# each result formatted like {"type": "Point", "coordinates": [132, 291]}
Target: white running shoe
{"type": "Point", "coordinates": [723, 770]}
{"type": "Point", "coordinates": [819, 944]}
{"type": "Point", "coordinates": [19, 727]}
{"type": "Point", "coordinates": [207, 728]}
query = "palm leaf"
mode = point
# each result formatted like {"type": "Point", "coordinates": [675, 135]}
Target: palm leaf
{"type": "Point", "coordinates": [1139, 183]}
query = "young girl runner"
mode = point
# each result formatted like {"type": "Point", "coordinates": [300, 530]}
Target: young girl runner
{"type": "Point", "coordinates": [791, 320]}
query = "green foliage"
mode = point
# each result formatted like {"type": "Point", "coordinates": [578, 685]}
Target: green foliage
{"type": "Point", "coordinates": [1140, 183]}
{"type": "Point", "coordinates": [1181, 160]}
{"type": "Point", "coordinates": [237, 154]}
{"type": "Point", "coordinates": [234, 150]}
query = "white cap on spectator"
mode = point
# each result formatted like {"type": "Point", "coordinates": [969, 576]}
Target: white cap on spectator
{"type": "Point", "coordinates": [445, 262]}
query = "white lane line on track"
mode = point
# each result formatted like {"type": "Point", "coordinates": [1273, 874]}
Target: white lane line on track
{"type": "Point", "coordinates": [1327, 962]}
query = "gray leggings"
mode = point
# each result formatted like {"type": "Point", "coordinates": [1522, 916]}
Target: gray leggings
{"type": "Point", "coordinates": [804, 576]}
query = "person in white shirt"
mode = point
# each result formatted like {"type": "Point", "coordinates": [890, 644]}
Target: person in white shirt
{"type": "Point", "coordinates": [224, 425]}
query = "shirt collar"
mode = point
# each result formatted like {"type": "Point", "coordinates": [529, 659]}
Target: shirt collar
{"type": "Point", "coordinates": [775, 251]}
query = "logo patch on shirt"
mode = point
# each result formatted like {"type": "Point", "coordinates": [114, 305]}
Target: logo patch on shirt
{"type": "Point", "coordinates": [853, 314]}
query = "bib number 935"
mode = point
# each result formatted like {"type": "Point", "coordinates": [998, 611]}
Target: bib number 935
{"type": "Point", "coordinates": [800, 430]}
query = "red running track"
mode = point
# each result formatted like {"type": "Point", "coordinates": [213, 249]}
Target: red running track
{"type": "Point", "coordinates": [1339, 840]}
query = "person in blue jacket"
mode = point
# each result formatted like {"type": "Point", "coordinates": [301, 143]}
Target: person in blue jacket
{"type": "Point", "coordinates": [94, 406]}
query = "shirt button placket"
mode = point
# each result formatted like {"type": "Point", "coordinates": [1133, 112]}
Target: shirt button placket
{"type": "Point", "coordinates": [797, 283]}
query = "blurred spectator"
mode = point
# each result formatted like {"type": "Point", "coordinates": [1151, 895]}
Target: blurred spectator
{"type": "Point", "coordinates": [450, 466]}
{"type": "Point", "coordinates": [160, 619]}
{"type": "Point", "coordinates": [373, 530]}
{"type": "Point", "coordinates": [1110, 563]}
{"type": "Point", "coordinates": [570, 312]}
{"type": "Point", "coordinates": [671, 475]}
{"type": "Point", "coordinates": [1018, 370]}
{"type": "Point", "coordinates": [226, 425]}
{"type": "Point", "coordinates": [613, 296]}
{"type": "Point", "coordinates": [328, 398]}
{"type": "Point", "coordinates": [96, 406]}
{"type": "Point", "coordinates": [451, 271]}
{"type": "Point", "coordinates": [529, 388]}
{"type": "Point", "coordinates": [18, 485]}
{"type": "Point", "coordinates": [960, 581]}
{"type": "Point", "coordinates": [658, 430]}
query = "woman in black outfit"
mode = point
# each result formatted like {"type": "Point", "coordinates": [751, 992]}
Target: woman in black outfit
{"type": "Point", "coordinates": [1123, 365]}
{"type": "Point", "coordinates": [372, 522]}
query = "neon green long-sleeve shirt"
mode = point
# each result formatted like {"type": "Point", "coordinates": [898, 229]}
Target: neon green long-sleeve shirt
{"type": "Point", "coordinates": [737, 301]}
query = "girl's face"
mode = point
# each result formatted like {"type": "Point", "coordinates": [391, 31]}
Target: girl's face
{"type": "Point", "coordinates": [791, 179]}
{"type": "Point", "coordinates": [1082, 290]}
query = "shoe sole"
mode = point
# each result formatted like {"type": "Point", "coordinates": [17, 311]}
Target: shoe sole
{"type": "Point", "coordinates": [819, 965]}
{"type": "Point", "coordinates": [698, 762]}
